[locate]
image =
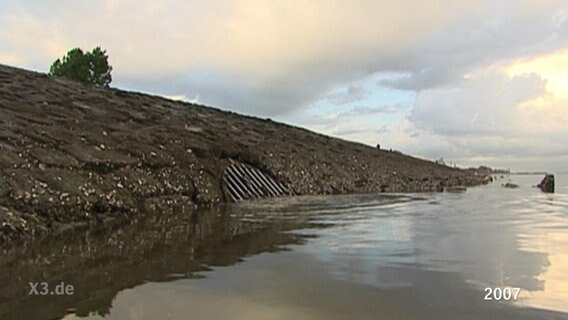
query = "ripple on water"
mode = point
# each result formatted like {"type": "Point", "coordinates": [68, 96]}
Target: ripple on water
{"type": "Point", "coordinates": [411, 254]}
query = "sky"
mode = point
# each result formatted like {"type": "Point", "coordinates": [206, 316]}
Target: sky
{"type": "Point", "coordinates": [472, 82]}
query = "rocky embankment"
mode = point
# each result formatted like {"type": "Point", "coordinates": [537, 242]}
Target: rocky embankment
{"type": "Point", "coordinates": [71, 154]}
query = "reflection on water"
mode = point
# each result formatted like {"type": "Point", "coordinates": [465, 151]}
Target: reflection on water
{"type": "Point", "coordinates": [425, 256]}
{"type": "Point", "coordinates": [490, 237]}
{"type": "Point", "coordinates": [99, 264]}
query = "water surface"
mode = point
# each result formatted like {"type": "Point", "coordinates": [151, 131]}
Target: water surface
{"type": "Point", "coordinates": [417, 256]}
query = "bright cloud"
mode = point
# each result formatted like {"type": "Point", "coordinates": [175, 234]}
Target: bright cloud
{"type": "Point", "coordinates": [552, 66]}
{"type": "Point", "coordinates": [504, 118]}
{"type": "Point", "coordinates": [486, 104]}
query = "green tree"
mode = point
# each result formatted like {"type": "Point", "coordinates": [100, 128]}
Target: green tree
{"type": "Point", "coordinates": [87, 67]}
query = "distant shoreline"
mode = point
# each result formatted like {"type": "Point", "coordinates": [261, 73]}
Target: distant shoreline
{"type": "Point", "coordinates": [528, 173]}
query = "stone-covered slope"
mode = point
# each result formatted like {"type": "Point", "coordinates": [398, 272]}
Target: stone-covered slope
{"type": "Point", "coordinates": [72, 153]}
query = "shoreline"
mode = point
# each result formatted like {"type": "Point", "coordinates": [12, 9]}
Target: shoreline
{"type": "Point", "coordinates": [73, 154]}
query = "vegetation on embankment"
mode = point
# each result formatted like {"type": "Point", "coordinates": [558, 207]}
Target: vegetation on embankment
{"type": "Point", "coordinates": [72, 153]}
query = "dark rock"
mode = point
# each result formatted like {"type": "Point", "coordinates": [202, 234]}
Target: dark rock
{"type": "Point", "coordinates": [510, 185]}
{"type": "Point", "coordinates": [547, 183]}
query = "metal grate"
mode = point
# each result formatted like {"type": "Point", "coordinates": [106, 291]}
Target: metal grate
{"type": "Point", "coordinates": [242, 181]}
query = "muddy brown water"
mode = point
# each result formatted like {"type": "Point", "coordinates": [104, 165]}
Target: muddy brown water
{"type": "Point", "coordinates": [407, 256]}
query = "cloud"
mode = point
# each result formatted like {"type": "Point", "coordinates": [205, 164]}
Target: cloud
{"type": "Point", "coordinates": [484, 105]}
{"type": "Point", "coordinates": [352, 94]}
{"type": "Point", "coordinates": [367, 111]}
{"type": "Point", "coordinates": [276, 57]}
{"type": "Point", "coordinates": [10, 59]}
{"type": "Point", "coordinates": [502, 115]}
{"type": "Point", "coordinates": [351, 132]}
{"type": "Point", "coordinates": [493, 117]}
{"type": "Point", "coordinates": [496, 32]}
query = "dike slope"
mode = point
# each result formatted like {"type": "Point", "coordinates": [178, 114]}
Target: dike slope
{"type": "Point", "coordinates": [72, 153]}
